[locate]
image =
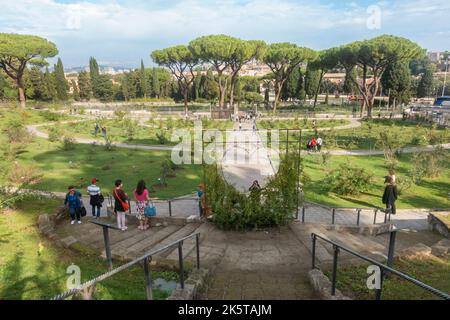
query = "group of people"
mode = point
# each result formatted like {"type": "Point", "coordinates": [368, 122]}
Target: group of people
{"type": "Point", "coordinates": [97, 130]}
{"type": "Point", "coordinates": [74, 202]}
{"type": "Point", "coordinates": [314, 144]}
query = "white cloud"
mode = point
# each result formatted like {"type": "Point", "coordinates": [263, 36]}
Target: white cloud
{"type": "Point", "coordinates": [126, 30]}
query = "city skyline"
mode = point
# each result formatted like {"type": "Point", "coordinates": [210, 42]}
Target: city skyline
{"type": "Point", "coordinates": [121, 33]}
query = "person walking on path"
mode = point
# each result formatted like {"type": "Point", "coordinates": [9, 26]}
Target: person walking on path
{"type": "Point", "coordinates": [390, 195]}
{"type": "Point", "coordinates": [141, 197]}
{"type": "Point", "coordinates": [95, 198]}
{"type": "Point", "coordinates": [201, 199]}
{"type": "Point", "coordinates": [73, 202]}
{"type": "Point", "coordinates": [104, 132]}
{"type": "Point", "coordinates": [313, 144]}
{"type": "Point", "coordinates": [96, 129]}
{"type": "Point", "coordinates": [120, 204]}
{"type": "Point", "coordinates": [319, 144]}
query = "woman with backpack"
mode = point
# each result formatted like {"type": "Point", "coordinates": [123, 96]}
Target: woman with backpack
{"type": "Point", "coordinates": [141, 197]}
{"type": "Point", "coordinates": [73, 202]}
{"type": "Point", "coordinates": [120, 204]}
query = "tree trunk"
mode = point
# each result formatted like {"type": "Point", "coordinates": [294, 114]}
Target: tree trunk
{"type": "Point", "coordinates": [186, 109]}
{"type": "Point", "coordinates": [318, 89]}
{"type": "Point", "coordinates": [21, 90]}
{"type": "Point", "coordinates": [277, 97]}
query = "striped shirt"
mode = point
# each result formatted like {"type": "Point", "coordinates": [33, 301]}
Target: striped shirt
{"type": "Point", "coordinates": [93, 190]}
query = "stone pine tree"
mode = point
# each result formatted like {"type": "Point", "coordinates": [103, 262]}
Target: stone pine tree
{"type": "Point", "coordinates": [181, 62]}
{"type": "Point", "coordinates": [372, 57]}
{"type": "Point", "coordinates": [326, 61]}
{"type": "Point", "coordinates": [84, 86]}
{"type": "Point", "coordinates": [61, 82]}
{"type": "Point", "coordinates": [17, 51]}
{"type": "Point", "coordinates": [282, 59]}
{"type": "Point", "coordinates": [217, 51]}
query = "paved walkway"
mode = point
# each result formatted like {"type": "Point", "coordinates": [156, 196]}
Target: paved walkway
{"type": "Point", "coordinates": [247, 159]}
{"type": "Point", "coordinates": [34, 129]}
{"type": "Point", "coordinates": [411, 219]}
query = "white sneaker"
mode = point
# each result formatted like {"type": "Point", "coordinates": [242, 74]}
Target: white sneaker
{"type": "Point", "coordinates": [79, 222]}
{"type": "Point", "coordinates": [72, 222]}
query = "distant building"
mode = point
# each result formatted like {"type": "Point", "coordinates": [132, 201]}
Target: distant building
{"type": "Point", "coordinates": [434, 56]}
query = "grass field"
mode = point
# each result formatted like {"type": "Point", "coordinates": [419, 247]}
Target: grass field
{"type": "Point", "coordinates": [141, 135]}
{"type": "Point", "coordinates": [407, 133]}
{"type": "Point", "coordinates": [432, 193]}
{"type": "Point", "coordinates": [61, 168]}
{"type": "Point", "coordinates": [27, 272]}
{"type": "Point", "coordinates": [430, 270]}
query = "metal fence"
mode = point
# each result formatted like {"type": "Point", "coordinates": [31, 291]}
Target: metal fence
{"type": "Point", "coordinates": [357, 214]}
{"type": "Point", "coordinates": [385, 269]}
{"type": "Point", "coordinates": [146, 259]}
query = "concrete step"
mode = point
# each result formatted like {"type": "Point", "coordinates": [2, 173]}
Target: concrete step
{"type": "Point", "coordinates": [128, 246]}
{"type": "Point", "coordinates": [303, 233]}
{"type": "Point", "coordinates": [180, 233]}
{"type": "Point", "coordinates": [189, 246]}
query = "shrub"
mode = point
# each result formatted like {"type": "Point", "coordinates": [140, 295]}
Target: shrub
{"type": "Point", "coordinates": [130, 127]}
{"type": "Point", "coordinates": [51, 116]}
{"type": "Point", "coordinates": [16, 132]}
{"type": "Point", "coordinates": [428, 164]}
{"type": "Point", "coordinates": [161, 137]}
{"type": "Point", "coordinates": [348, 180]}
{"type": "Point", "coordinates": [272, 206]}
{"type": "Point", "coordinates": [68, 143]}
{"type": "Point", "coordinates": [403, 184]}
{"type": "Point", "coordinates": [109, 142]}
{"type": "Point", "coordinates": [54, 134]}
{"type": "Point", "coordinates": [23, 176]}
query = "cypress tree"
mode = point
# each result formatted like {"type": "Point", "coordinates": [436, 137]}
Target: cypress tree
{"type": "Point", "coordinates": [61, 82]}
{"type": "Point", "coordinates": [156, 87]}
{"type": "Point", "coordinates": [143, 81]}
{"type": "Point", "coordinates": [84, 85]}
{"type": "Point", "coordinates": [76, 92]}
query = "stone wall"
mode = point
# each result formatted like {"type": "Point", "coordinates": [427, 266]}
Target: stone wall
{"type": "Point", "coordinates": [437, 223]}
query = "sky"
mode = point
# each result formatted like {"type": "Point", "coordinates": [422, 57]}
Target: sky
{"type": "Point", "coordinates": [122, 32]}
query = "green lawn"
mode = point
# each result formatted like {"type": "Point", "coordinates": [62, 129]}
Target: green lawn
{"type": "Point", "coordinates": [62, 168]}
{"type": "Point", "coordinates": [27, 272]}
{"type": "Point", "coordinates": [408, 133]}
{"type": "Point", "coordinates": [142, 134]}
{"type": "Point", "coordinates": [432, 193]}
{"type": "Point", "coordinates": [431, 270]}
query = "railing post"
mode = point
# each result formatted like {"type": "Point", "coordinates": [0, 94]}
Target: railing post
{"type": "Point", "coordinates": [107, 248]}
{"type": "Point", "coordinates": [197, 244]}
{"type": "Point", "coordinates": [170, 208]}
{"type": "Point", "coordinates": [180, 260]}
{"type": "Point", "coordinates": [332, 215]}
{"type": "Point", "coordinates": [378, 291]}
{"type": "Point", "coordinates": [358, 217]}
{"type": "Point", "coordinates": [334, 275]}
{"type": "Point", "coordinates": [385, 216]}
{"type": "Point", "coordinates": [375, 216]}
{"type": "Point", "coordinates": [129, 207]}
{"type": "Point", "coordinates": [148, 278]}
{"type": "Point", "coordinates": [313, 253]}
{"type": "Point", "coordinates": [391, 249]}
{"type": "Point", "coordinates": [303, 214]}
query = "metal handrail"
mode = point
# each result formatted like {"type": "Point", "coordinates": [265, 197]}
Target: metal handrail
{"type": "Point", "coordinates": [387, 215]}
{"type": "Point", "coordinates": [147, 259]}
{"type": "Point", "coordinates": [384, 268]}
